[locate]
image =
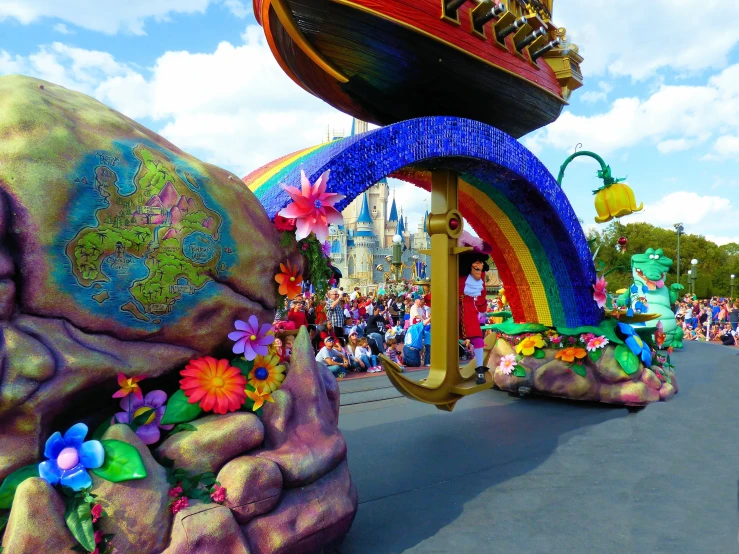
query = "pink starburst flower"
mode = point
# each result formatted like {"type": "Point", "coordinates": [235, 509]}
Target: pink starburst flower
{"type": "Point", "coordinates": [507, 363]}
{"type": "Point", "coordinates": [596, 342]}
{"type": "Point", "coordinates": [251, 339]}
{"type": "Point", "coordinates": [312, 207]}
{"type": "Point", "coordinates": [599, 292]}
{"type": "Point", "coordinates": [219, 494]}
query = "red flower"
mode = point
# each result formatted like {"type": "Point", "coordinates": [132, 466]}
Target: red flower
{"type": "Point", "coordinates": [97, 512]}
{"type": "Point", "coordinates": [98, 536]}
{"type": "Point", "coordinates": [285, 224]}
{"type": "Point", "coordinates": [216, 385]}
{"type": "Point", "coordinates": [219, 494]}
{"type": "Point", "coordinates": [176, 491]}
{"type": "Point", "coordinates": [179, 504]}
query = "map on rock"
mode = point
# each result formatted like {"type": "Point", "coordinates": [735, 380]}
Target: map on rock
{"type": "Point", "coordinates": [151, 241]}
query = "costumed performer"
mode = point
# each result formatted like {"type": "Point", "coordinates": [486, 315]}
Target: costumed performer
{"type": "Point", "coordinates": [472, 297]}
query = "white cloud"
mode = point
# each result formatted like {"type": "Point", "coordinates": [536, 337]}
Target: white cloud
{"type": "Point", "coordinates": [593, 96]}
{"type": "Point", "coordinates": [63, 29]}
{"type": "Point", "coordinates": [675, 145]}
{"type": "Point", "coordinates": [720, 240]}
{"type": "Point", "coordinates": [690, 208]}
{"type": "Point", "coordinates": [635, 39]}
{"type": "Point", "coordinates": [110, 16]}
{"type": "Point", "coordinates": [672, 113]}
{"type": "Point", "coordinates": [727, 145]}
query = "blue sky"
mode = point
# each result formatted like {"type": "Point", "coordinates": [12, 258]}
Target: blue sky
{"type": "Point", "coordinates": [660, 104]}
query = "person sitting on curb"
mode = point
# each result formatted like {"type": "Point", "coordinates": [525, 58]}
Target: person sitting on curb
{"type": "Point", "coordinates": [332, 359]}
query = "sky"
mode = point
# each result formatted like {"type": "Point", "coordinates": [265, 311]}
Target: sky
{"type": "Point", "coordinates": [660, 101]}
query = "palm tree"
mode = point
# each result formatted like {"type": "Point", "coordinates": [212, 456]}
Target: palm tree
{"type": "Point", "coordinates": [102, 234]}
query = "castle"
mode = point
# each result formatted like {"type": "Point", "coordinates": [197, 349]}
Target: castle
{"type": "Point", "coordinates": [360, 247]}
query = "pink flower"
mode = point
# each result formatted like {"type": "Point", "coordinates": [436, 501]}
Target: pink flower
{"type": "Point", "coordinates": [305, 246]}
{"type": "Point", "coordinates": [596, 342]}
{"type": "Point", "coordinates": [312, 207]}
{"type": "Point", "coordinates": [98, 536]}
{"type": "Point", "coordinates": [284, 224]}
{"type": "Point", "coordinates": [507, 363]}
{"type": "Point", "coordinates": [556, 340]}
{"type": "Point", "coordinates": [251, 339]}
{"type": "Point", "coordinates": [96, 512]}
{"type": "Point", "coordinates": [587, 337]}
{"type": "Point", "coordinates": [180, 504]}
{"type": "Point", "coordinates": [219, 494]}
{"type": "Point", "coordinates": [174, 492]}
{"type": "Point", "coordinates": [599, 292]}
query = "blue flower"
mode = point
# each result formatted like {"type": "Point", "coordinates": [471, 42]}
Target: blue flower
{"type": "Point", "coordinates": [70, 458]}
{"type": "Point", "coordinates": [636, 344]}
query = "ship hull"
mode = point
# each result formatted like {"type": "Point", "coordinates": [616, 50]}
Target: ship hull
{"type": "Point", "coordinates": [378, 68]}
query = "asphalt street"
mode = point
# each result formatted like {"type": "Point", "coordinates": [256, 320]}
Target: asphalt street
{"type": "Point", "coordinates": [537, 475]}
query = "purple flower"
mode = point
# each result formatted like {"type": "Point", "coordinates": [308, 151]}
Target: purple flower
{"type": "Point", "coordinates": [133, 407]}
{"type": "Point", "coordinates": [326, 249]}
{"type": "Point", "coordinates": [251, 339]}
{"type": "Point", "coordinates": [70, 458]}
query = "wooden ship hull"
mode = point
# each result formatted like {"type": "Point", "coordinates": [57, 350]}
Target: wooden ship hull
{"type": "Point", "coordinates": [386, 61]}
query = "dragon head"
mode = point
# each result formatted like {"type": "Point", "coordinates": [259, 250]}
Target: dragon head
{"type": "Point", "coordinates": [651, 268]}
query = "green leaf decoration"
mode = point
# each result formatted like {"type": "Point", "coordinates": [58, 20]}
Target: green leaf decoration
{"type": "Point", "coordinates": [519, 371]}
{"type": "Point", "coordinates": [179, 428]}
{"type": "Point", "coordinates": [510, 328]}
{"type": "Point", "coordinates": [179, 410]}
{"type": "Point", "coordinates": [4, 516]}
{"type": "Point", "coordinates": [122, 462]}
{"type": "Point", "coordinates": [539, 354]}
{"type": "Point", "coordinates": [626, 359]}
{"type": "Point", "coordinates": [595, 355]}
{"type": "Point", "coordinates": [79, 520]}
{"type": "Point", "coordinates": [7, 489]}
{"type": "Point", "coordinates": [579, 369]}
{"type": "Point", "coordinates": [244, 365]}
{"type": "Point", "coordinates": [607, 328]}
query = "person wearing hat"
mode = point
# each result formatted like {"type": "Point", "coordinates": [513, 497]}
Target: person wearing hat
{"type": "Point", "coordinates": [332, 359]}
{"type": "Point", "coordinates": [472, 301]}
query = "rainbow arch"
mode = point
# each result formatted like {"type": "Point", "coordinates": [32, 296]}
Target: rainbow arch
{"type": "Point", "coordinates": [506, 194]}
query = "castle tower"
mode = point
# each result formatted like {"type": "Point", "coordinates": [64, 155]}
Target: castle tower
{"type": "Point", "coordinates": [391, 227]}
{"type": "Point", "coordinates": [364, 242]}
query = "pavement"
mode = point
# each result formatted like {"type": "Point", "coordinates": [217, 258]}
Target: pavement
{"type": "Point", "coordinates": [537, 475]}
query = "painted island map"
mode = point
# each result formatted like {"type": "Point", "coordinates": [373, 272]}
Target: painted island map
{"type": "Point", "coordinates": [153, 241]}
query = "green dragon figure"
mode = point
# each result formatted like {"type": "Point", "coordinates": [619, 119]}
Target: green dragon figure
{"type": "Point", "coordinates": [648, 293]}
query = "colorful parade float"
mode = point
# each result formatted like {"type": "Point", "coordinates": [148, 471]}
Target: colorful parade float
{"type": "Point", "coordinates": [143, 405]}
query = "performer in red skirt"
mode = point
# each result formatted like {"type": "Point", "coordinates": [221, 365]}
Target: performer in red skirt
{"type": "Point", "coordinates": [472, 302]}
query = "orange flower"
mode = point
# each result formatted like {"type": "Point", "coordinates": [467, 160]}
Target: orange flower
{"type": "Point", "coordinates": [215, 384]}
{"type": "Point", "coordinates": [128, 386]}
{"type": "Point", "coordinates": [259, 398]}
{"type": "Point", "coordinates": [289, 280]}
{"type": "Point", "coordinates": [569, 354]}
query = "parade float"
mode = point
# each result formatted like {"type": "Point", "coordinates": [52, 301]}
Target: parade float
{"type": "Point", "coordinates": [139, 411]}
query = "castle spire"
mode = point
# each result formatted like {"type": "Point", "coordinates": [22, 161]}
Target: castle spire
{"type": "Point", "coordinates": [393, 210]}
{"type": "Point", "coordinates": [364, 214]}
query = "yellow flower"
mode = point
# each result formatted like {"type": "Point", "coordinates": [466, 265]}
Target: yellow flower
{"type": "Point", "coordinates": [267, 374]}
{"type": "Point", "coordinates": [258, 398]}
{"type": "Point", "coordinates": [529, 345]}
{"type": "Point", "coordinates": [569, 354]}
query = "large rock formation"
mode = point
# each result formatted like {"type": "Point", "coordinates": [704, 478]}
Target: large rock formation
{"type": "Point", "coordinates": [118, 253]}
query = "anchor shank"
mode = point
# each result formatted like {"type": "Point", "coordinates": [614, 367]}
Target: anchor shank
{"type": "Point", "coordinates": [444, 282]}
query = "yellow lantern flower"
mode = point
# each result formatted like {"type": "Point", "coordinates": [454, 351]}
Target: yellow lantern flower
{"type": "Point", "coordinates": [259, 398]}
{"type": "Point", "coordinates": [528, 346]}
{"type": "Point", "coordinates": [616, 200]}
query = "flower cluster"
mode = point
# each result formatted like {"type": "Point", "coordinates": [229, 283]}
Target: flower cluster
{"type": "Point", "coordinates": [202, 487]}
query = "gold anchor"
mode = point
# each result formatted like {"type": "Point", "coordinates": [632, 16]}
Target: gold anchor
{"type": "Point", "coordinates": [446, 382]}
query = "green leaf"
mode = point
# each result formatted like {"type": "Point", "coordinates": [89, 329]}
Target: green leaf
{"type": "Point", "coordinates": [7, 489]}
{"type": "Point", "coordinates": [179, 410]}
{"type": "Point", "coordinates": [141, 419]}
{"type": "Point", "coordinates": [579, 369]}
{"type": "Point", "coordinates": [122, 462]}
{"type": "Point", "coordinates": [539, 354]}
{"type": "Point", "coordinates": [519, 371]}
{"type": "Point", "coordinates": [595, 354]}
{"type": "Point", "coordinates": [79, 520]}
{"type": "Point", "coordinates": [4, 516]}
{"type": "Point", "coordinates": [510, 328]}
{"type": "Point", "coordinates": [626, 359]}
{"type": "Point", "coordinates": [244, 365]}
{"type": "Point", "coordinates": [100, 430]}
{"type": "Point", "coordinates": [606, 328]}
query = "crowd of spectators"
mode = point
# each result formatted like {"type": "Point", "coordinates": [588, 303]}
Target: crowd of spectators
{"type": "Point", "coordinates": [716, 319]}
